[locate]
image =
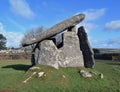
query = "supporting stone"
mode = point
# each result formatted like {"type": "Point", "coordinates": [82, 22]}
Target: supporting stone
{"type": "Point", "coordinates": [73, 29]}
{"type": "Point", "coordinates": [47, 54]}
{"type": "Point", "coordinates": [69, 55]}
{"type": "Point", "coordinates": [32, 59]}
{"type": "Point", "coordinates": [86, 49]}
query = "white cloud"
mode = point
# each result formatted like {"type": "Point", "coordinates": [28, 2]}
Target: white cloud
{"type": "Point", "coordinates": [97, 43]}
{"type": "Point", "coordinates": [113, 26]}
{"type": "Point", "coordinates": [22, 8]}
{"type": "Point", "coordinates": [110, 43]}
{"type": "Point", "coordinates": [114, 42]}
{"type": "Point", "coordinates": [93, 14]}
{"type": "Point", "coordinates": [13, 39]}
{"type": "Point", "coordinates": [89, 26]}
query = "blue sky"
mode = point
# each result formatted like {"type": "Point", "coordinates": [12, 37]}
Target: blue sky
{"type": "Point", "coordinates": [102, 21]}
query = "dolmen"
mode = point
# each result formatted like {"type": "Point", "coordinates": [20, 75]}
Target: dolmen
{"type": "Point", "coordinates": [63, 45]}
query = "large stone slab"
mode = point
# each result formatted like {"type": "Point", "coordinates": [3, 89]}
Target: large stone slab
{"type": "Point", "coordinates": [56, 29]}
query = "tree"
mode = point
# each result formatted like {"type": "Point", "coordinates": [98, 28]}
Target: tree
{"type": "Point", "coordinates": [3, 41]}
{"type": "Point", "coordinates": [96, 51]}
{"type": "Point", "coordinates": [32, 34]}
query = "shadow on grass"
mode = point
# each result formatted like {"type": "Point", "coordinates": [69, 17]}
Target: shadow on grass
{"type": "Point", "coordinates": [18, 67]}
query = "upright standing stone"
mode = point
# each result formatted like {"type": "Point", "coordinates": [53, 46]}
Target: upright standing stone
{"type": "Point", "coordinates": [71, 55]}
{"type": "Point", "coordinates": [47, 54]}
{"type": "Point", "coordinates": [87, 51]}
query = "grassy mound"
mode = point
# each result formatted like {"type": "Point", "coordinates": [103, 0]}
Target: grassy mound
{"type": "Point", "coordinates": [13, 73]}
{"type": "Point", "coordinates": [62, 79]}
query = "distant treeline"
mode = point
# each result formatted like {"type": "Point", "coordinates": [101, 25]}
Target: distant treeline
{"type": "Point", "coordinates": [107, 54]}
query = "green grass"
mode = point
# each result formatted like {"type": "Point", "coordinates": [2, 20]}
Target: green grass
{"type": "Point", "coordinates": [12, 73]}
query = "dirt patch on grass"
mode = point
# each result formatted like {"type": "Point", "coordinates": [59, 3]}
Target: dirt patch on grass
{"type": "Point", "coordinates": [7, 90]}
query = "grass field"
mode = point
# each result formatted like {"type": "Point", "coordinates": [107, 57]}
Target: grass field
{"type": "Point", "coordinates": [12, 74]}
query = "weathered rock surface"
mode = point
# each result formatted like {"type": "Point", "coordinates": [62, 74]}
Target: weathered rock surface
{"type": "Point", "coordinates": [67, 56]}
{"type": "Point", "coordinates": [86, 49]}
{"type": "Point", "coordinates": [70, 54]}
{"type": "Point", "coordinates": [34, 68]}
{"type": "Point", "coordinates": [26, 80]}
{"type": "Point", "coordinates": [85, 74]}
{"type": "Point", "coordinates": [47, 54]}
{"type": "Point", "coordinates": [40, 74]}
{"type": "Point", "coordinates": [101, 75]}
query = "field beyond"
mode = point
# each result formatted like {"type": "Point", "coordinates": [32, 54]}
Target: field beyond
{"type": "Point", "coordinates": [14, 72]}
